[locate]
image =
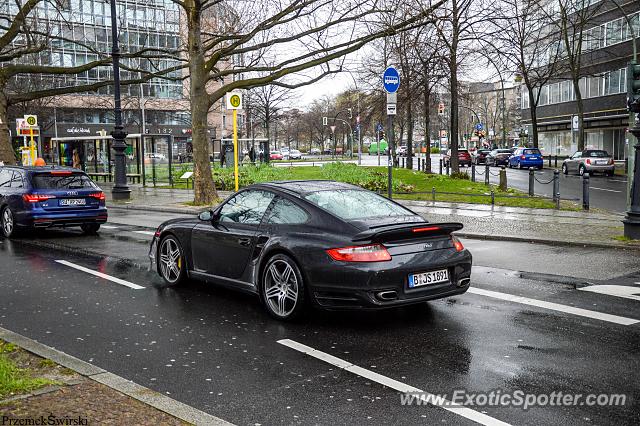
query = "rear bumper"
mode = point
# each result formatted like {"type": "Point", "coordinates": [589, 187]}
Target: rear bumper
{"type": "Point", "coordinates": [41, 219]}
{"type": "Point", "coordinates": [600, 169]}
{"type": "Point", "coordinates": [382, 285]}
{"type": "Point", "coordinates": [532, 163]}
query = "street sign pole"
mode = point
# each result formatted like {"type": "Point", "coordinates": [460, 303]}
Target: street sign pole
{"type": "Point", "coordinates": [391, 83]}
{"type": "Point", "coordinates": [235, 146]}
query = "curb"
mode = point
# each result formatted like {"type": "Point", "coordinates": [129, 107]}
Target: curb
{"type": "Point", "coordinates": [178, 210]}
{"type": "Point", "coordinates": [145, 395]}
{"type": "Point", "coordinates": [478, 236]}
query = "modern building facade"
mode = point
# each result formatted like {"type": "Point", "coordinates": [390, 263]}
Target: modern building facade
{"type": "Point", "coordinates": [607, 49]}
{"type": "Point", "coordinates": [157, 107]}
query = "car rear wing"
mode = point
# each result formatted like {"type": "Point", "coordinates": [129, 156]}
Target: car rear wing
{"type": "Point", "coordinates": [406, 231]}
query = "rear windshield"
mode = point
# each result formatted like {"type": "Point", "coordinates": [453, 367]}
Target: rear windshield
{"type": "Point", "coordinates": [504, 151]}
{"type": "Point", "coordinates": [531, 151]}
{"type": "Point", "coordinates": [356, 204]}
{"type": "Point", "coordinates": [72, 181]}
{"type": "Point", "coordinates": [596, 154]}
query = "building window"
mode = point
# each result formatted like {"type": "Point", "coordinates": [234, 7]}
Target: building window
{"type": "Point", "coordinates": [612, 82]}
{"type": "Point", "coordinates": [613, 32]}
{"type": "Point", "coordinates": [554, 93]}
{"type": "Point", "coordinates": [544, 96]}
{"type": "Point", "coordinates": [566, 91]}
{"type": "Point", "coordinates": [595, 86]}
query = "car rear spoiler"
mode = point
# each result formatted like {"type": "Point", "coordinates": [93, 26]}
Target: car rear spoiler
{"type": "Point", "coordinates": [391, 232]}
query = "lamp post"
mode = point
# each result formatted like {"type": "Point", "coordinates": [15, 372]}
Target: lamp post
{"type": "Point", "coordinates": [120, 190]}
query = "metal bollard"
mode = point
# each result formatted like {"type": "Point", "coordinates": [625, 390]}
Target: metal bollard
{"type": "Point", "coordinates": [503, 179]}
{"type": "Point", "coordinates": [585, 191]}
{"type": "Point", "coordinates": [448, 173]}
{"type": "Point", "coordinates": [486, 174]}
{"type": "Point", "coordinates": [440, 166]}
{"type": "Point", "coordinates": [531, 181]}
{"type": "Point", "coordinates": [473, 172]}
{"type": "Point", "coordinates": [556, 161]}
{"type": "Point", "coordinates": [403, 162]}
{"type": "Point", "coordinates": [493, 197]}
{"type": "Point", "coordinates": [549, 160]}
{"type": "Point", "coordinates": [424, 166]}
{"type": "Point", "coordinates": [556, 188]}
{"type": "Point", "coordinates": [433, 193]}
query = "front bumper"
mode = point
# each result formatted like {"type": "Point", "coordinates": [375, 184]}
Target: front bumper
{"type": "Point", "coordinates": [380, 285]}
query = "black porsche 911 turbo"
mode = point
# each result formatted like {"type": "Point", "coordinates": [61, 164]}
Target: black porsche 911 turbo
{"type": "Point", "coordinates": [328, 243]}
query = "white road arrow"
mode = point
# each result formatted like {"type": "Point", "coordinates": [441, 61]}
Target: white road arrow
{"type": "Point", "coordinates": [625, 291]}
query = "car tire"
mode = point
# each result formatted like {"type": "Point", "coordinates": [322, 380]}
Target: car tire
{"type": "Point", "coordinates": [172, 264]}
{"type": "Point", "coordinates": [282, 288]}
{"type": "Point", "coordinates": [611, 173]}
{"type": "Point", "coordinates": [565, 169]}
{"type": "Point", "coordinates": [90, 228]}
{"type": "Point", "coordinates": [581, 170]}
{"type": "Point", "coordinates": [8, 223]}
{"type": "Point", "coordinates": [519, 165]}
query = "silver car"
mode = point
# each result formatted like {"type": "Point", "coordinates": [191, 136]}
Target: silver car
{"type": "Point", "coordinates": [591, 161]}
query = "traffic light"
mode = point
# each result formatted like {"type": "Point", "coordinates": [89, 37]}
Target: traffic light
{"type": "Point", "coordinates": [633, 87]}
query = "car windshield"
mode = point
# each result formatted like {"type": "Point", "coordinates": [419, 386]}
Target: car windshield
{"type": "Point", "coordinates": [599, 154]}
{"type": "Point", "coordinates": [356, 204]}
{"type": "Point", "coordinates": [70, 181]}
{"type": "Point", "coordinates": [532, 152]}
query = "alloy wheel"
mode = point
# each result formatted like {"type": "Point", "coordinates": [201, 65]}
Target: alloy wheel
{"type": "Point", "coordinates": [171, 262]}
{"type": "Point", "coordinates": [281, 288]}
{"type": "Point", "coordinates": [7, 222]}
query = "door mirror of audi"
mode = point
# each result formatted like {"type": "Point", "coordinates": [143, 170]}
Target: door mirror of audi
{"type": "Point", "coordinates": [206, 216]}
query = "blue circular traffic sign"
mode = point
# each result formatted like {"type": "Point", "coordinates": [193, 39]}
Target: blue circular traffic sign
{"type": "Point", "coordinates": [479, 126]}
{"type": "Point", "coordinates": [391, 80]}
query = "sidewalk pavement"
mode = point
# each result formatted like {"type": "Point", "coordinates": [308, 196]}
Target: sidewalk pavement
{"type": "Point", "coordinates": [557, 227]}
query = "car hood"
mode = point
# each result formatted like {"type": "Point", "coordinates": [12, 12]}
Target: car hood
{"type": "Point", "coordinates": [185, 221]}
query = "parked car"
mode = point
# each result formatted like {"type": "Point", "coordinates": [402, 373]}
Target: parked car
{"type": "Point", "coordinates": [315, 151]}
{"type": "Point", "coordinates": [401, 150]}
{"type": "Point", "coordinates": [275, 155]}
{"type": "Point", "coordinates": [526, 157]}
{"type": "Point", "coordinates": [480, 156]}
{"type": "Point", "coordinates": [367, 252]}
{"type": "Point", "coordinates": [464, 158]}
{"type": "Point", "coordinates": [591, 161]}
{"type": "Point", "coordinates": [294, 154]}
{"type": "Point", "coordinates": [42, 197]}
{"type": "Point", "coordinates": [498, 157]}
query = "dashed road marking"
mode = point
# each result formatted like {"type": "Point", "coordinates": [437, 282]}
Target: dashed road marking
{"type": "Point", "coordinates": [625, 291]}
{"type": "Point", "coordinates": [605, 189]}
{"type": "Point", "coordinates": [468, 413]}
{"type": "Point", "coordinates": [101, 275]}
{"type": "Point", "coordinates": [109, 227]}
{"type": "Point", "coordinates": [554, 306]}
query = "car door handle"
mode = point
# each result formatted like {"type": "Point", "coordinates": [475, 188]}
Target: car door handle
{"type": "Point", "coordinates": [244, 241]}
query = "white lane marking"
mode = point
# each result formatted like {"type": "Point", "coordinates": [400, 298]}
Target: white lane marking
{"type": "Point", "coordinates": [555, 306]}
{"type": "Point", "coordinates": [101, 275]}
{"type": "Point", "coordinates": [393, 384]}
{"type": "Point", "coordinates": [617, 180]}
{"type": "Point", "coordinates": [604, 189]}
{"type": "Point", "coordinates": [625, 291]}
{"type": "Point", "coordinates": [109, 227]}
{"type": "Point", "coordinates": [145, 232]}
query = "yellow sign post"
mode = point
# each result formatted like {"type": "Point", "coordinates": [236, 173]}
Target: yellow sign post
{"type": "Point", "coordinates": [234, 102]}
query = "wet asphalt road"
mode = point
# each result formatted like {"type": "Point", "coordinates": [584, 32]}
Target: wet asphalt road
{"type": "Point", "coordinates": [218, 351]}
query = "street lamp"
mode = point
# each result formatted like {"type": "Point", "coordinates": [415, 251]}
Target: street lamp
{"type": "Point", "coordinates": [120, 190]}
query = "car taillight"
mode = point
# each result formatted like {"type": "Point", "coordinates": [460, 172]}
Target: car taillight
{"type": "Point", "coordinates": [34, 198]}
{"type": "Point", "coordinates": [457, 244]}
{"type": "Point", "coordinates": [611, 161]}
{"type": "Point", "coordinates": [588, 161]}
{"type": "Point", "coordinates": [368, 253]}
{"type": "Point", "coordinates": [522, 157]}
{"type": "Point", "coordinates": [98, 195]}
{"type": "Point", "coordinates": [426, 229]}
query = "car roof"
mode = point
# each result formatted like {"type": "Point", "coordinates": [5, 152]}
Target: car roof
{"type": "Point", "coordinates": [302, 187]}
{"type": "Point", "coordinates": [43, 169]}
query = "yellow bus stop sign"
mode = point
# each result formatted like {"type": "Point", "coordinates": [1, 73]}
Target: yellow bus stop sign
{"type": "Point", "coordinates": [32, 120]}
{"type": "Point", "coordinates": [234, 100]}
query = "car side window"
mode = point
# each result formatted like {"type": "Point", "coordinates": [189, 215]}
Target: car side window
{"type": "Point", "coordinates": [286, 212]}
{"type": "Point", "coordinates": [577, 155]}
{"type": "Point", "coordinates": [247, 207]}
{"type": "Point", "coordinates": [5, 178]}
{"type": "Point", "coordinates": [16, 181]}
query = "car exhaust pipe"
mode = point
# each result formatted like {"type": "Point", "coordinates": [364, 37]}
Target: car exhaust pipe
{"type": "Point", "coordinates": [387, 295]}
{"type": "Point", "coordinates": [464, 282]}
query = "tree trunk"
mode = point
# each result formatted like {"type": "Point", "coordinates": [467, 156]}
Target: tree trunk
{"type": "Point", "coordinates": [204, 189]}
{"type": "Point", "coordinates": [427, 126]}
{"type": "Point", "coordinates": [409, 162]}
{"type": "Point", "coordinates": [533, 110]}
{"type": "Point", "coordinates": [580, 105]}
{"type": "Point", "coordinates": [453, 134]}
{"type": "Point", "coordinates": [6, 147]}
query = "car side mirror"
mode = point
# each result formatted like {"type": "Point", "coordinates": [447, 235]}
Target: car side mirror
{"type": "Point", "coordinates": [206, 216]}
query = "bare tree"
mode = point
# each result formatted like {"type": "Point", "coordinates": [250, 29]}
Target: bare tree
{"type": "Point", "coordinates": [266, 102]}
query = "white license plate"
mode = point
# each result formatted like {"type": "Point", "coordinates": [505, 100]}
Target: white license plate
{"type": "Point", "coordinates": [73, 202]}
{"type": "Point", "coordinates": [427, 278]}
{"type": "Point", "coordinates": [601, 163]}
